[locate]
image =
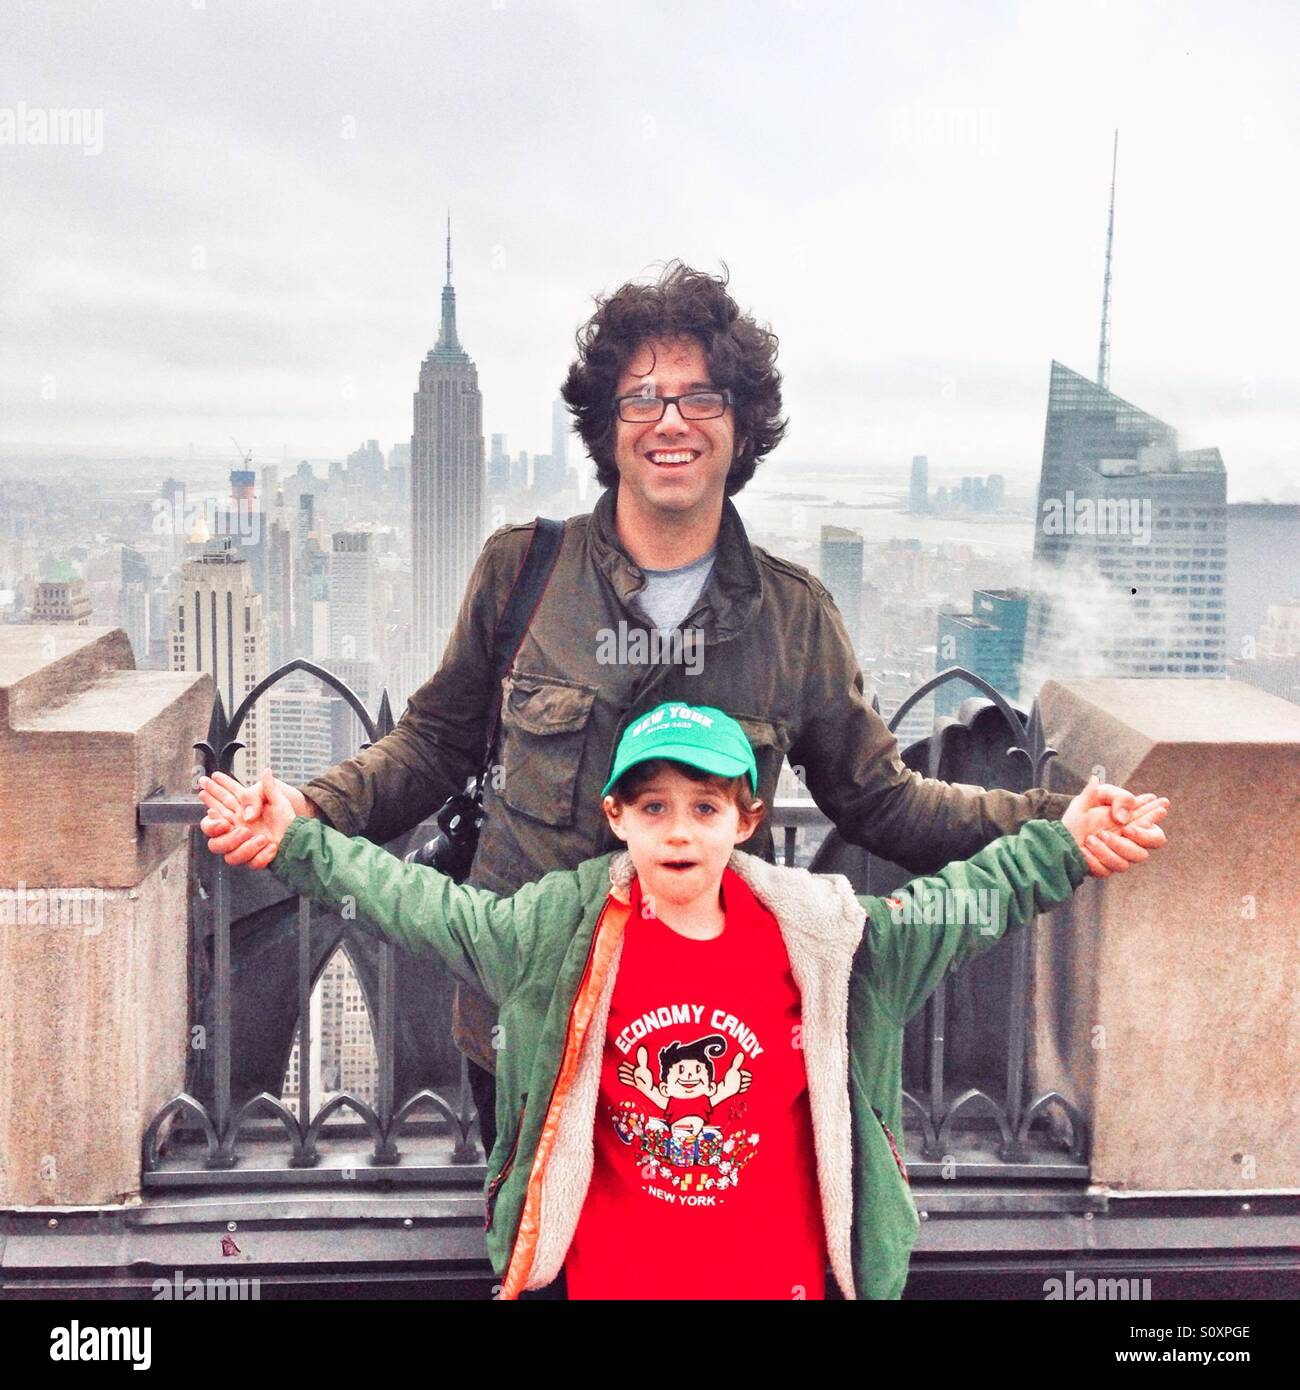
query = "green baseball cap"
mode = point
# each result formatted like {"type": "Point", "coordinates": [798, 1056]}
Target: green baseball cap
{"type": "Point", "coordinates": [698, 735]}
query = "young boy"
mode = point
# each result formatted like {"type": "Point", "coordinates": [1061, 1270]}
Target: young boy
{"type": "Point", "coordinates": [699, 1071]}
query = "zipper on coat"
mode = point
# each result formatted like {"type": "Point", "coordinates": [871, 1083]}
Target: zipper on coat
{"type": "Point", "coordinates": [582, 979]}
{"type": "Point", "coordinates": [893, 1148]}
{"type": "Point", "coordinates": [493, 1187]}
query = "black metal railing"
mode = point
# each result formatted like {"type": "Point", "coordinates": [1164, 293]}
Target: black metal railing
{"type": "Point", "coordinates": [966, 1094]}
{"type": "Point", "coordinates": [964, 1089]}
{"type": "Point", "coordinates": [197, 1134]}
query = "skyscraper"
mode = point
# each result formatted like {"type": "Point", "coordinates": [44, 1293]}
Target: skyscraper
{"type": "Point", "coordinates": [560, 421]}
{"type": "Point", "coordinates": [218, 627]}
{"type": "Point", "coordinates": [353, 633]}
{"type": "Point", "coordinates": [278, 596]}
{"type": "Point", "coordinates": [920, 501]}
{"type": "Point", "coordinates": [1263, 567]}
{"type": "Point", "coordinates": [1273, 662]}
{"type": "Point", "coordinates": [173, 522]}
{"type": "Point", "coordinates": [399, 473]}
{"type": "Point", "coordinates": [1129, 546]}
{"type": "Point", "coordinates": [446, 482]}
{"type": "Point", "coordinates": [547, 478]}
{"type": "Point", "coordinates": [133, 606]}
{"type": "Point", "coordinates": [242, 517]}
{"type": "Point", "coordinates": [243, 486]}
{"type": "Point", "coordinates": [310, 584]}
{"type": "Point", "coordinates": [352, 596]}
{"type": "Point", "coordinates": [366, 467]}
{"type": "Point", "coordinates": [299, 715]}
{"type": "Point", "coordinates": [841, 566]}
{"type": "Point", "coordinates": [61, 597]}
{"type": "Point", "coordinates": [1280, 637]}
{"type": "Point", "coordinates": [988, 641]}
{"type": "Point", "coordinates": [498, 471]}
{"type": "Point", "coordinates": [343, 1056]}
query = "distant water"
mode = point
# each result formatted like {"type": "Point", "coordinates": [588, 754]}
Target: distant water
{"type": "Point", "coordinates": [874, 508]}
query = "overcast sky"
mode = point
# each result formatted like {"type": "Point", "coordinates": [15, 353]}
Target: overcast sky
{"type": "Point", "coordinates": [912, 194]}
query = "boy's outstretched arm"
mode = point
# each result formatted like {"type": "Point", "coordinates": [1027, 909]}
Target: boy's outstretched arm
{"type": "Point", "coordinates": [935, 924]}
{"type": "Point", "coordinates": [483, 938]}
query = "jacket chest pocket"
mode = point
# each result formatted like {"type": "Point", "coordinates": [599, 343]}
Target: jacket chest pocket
{"type": "Point", "coordinates": [543, 732]}
{"type": "Point", "coordinates": [770, 739]}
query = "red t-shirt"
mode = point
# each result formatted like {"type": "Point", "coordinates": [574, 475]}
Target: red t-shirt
{"type": "Point", "coordinates": [705, 1179]}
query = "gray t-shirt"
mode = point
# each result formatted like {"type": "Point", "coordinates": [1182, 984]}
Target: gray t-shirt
{"type": "Point", "coordinates": [669, 595]}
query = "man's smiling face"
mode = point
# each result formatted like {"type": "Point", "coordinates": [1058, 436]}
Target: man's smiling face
{"type": "Point", "coordinates": [676, 465]}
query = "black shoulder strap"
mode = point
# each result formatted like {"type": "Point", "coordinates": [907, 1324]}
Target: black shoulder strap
{"type": "Point", "coordinates": [530, 583]}
{"type": "Point", "coordinates": [525, 598]}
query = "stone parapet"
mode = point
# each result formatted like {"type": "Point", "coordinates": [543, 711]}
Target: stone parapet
{"type": "Point", "coordinates": [84, 737]}
{"type": "Point", "coordinates": [1167, 999]}
{"type": "Point", "coordinates": [93, 910]}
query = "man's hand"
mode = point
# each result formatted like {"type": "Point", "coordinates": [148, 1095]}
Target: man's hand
{"type": "Point", "coordinates": [228, 829]}
{"type": "Point", "coordinates": [1113, 828]}
{"type": "Point", "coordinates": [256, 828]}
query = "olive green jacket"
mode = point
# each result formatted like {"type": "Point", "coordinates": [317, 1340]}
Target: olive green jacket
{"type": "Point", "coordinates": [548, 955]}
{"type": "Point", "coordinates": [774, 654]}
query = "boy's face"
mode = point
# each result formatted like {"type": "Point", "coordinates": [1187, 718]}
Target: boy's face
{"type": "Point", "coordinates": [680, 835]}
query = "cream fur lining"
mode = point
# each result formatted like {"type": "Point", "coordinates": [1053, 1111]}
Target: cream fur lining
{"type": "Point", "coordinates": [821, 923]}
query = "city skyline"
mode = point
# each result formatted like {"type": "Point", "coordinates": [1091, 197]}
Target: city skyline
{"type": "Point", "coordinates": [931, 244]}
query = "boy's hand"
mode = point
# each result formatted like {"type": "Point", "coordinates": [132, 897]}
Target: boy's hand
{"type": "Point", "coordinates": [1125, 821]}
{"type": "Point", "coordinates": [228, 829]}
{"type": "Point", "coordinates": [1107, 845]}
{"type": "Point", "coordinates": [229, 811]}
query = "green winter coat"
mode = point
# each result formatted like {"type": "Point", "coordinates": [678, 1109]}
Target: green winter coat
{"type": "Point", "coordinates": [775, 655]}
{"type": "Point", "coordinates": [547, 956]}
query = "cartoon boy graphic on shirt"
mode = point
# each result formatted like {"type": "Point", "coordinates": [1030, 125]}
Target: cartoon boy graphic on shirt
{"type": "Point", "coordinates": [687, 1093]}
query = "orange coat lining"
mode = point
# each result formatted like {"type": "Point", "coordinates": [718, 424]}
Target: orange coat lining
{"type": "Point", "coordinates": [608, 935]}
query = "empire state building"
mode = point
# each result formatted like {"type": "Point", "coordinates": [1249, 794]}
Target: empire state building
{"type": "Point", "coordinates": [447, 481]}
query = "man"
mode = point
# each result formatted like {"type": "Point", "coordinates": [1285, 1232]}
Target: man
{"type": "Point", "coordinates": [677, 398]}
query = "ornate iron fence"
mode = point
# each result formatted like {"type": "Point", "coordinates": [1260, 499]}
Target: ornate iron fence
{"type": "Point", "coordinates": [243, 927]}
{"type": "Point", "coordinates": [256, 954]}
{"type": "Point", "coordinates": [986, 1129]}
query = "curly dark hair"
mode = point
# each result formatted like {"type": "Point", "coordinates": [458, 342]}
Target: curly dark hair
{"type": "Point", "coordinates": [681, 303]}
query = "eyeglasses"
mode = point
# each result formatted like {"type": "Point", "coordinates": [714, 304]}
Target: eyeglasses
{"type": "Point", "coordinates": [695, 405]}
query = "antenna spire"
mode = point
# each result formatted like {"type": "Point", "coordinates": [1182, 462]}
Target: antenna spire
{"type": "Point", "coordinates": [1103, 348]}
{"type": "Point", "coordinates": [448, 343]}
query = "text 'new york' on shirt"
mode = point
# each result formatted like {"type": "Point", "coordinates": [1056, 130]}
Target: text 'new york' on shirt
{"type": "Point", "coordinates": [704, 1182]}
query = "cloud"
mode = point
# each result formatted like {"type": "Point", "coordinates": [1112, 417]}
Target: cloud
{"type": "Point", "coordinates": [913, 197]}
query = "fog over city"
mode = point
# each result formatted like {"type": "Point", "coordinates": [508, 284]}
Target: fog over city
{"type": "Point", "coordinates": [246, 235]}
